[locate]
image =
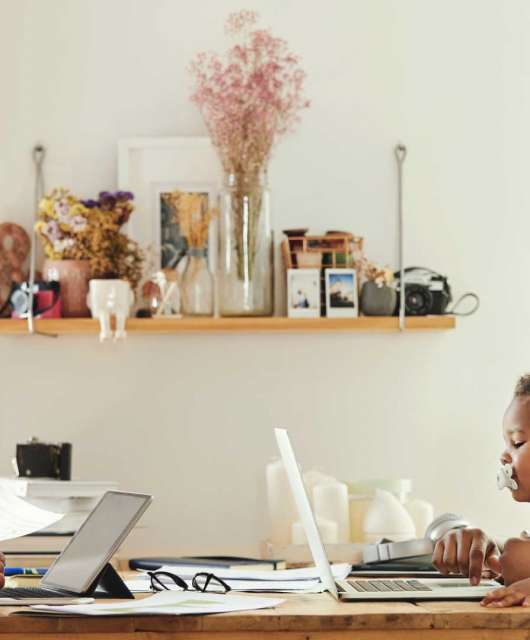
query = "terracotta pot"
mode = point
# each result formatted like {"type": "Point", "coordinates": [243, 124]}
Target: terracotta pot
{"type": "Point", "coordinates": [73, 276]}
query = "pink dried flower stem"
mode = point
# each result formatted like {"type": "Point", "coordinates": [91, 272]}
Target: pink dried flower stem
{"type": "Point", "coordinates": [248, 98]}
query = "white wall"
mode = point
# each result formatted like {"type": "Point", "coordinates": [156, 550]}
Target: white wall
{"type": "Point", "coordinates": [189, 417]}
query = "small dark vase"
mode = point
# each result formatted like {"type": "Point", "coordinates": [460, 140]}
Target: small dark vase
{"type": "Point", "coordinates": [377, 301]}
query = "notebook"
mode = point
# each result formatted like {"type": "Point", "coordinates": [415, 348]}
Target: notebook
{"type": "Point", "coordinates": [213, 562]}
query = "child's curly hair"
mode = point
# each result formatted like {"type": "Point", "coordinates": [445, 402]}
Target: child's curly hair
{"type": "Point", "coordinates": [522, 388]}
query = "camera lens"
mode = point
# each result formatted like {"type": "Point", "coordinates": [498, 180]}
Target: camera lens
{"type": "Point", "coordinates": [19, 301]}
{"type": "Point", "coordinates": [418, 300]}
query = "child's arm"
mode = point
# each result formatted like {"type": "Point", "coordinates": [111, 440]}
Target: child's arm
{"type": "Point", "coordinates": [466, 551]}
{"type": "Point", "coordinates": [515, 559]}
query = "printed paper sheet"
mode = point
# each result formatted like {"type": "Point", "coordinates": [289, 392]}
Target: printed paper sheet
{"type": "Point", "coordinates": [18, 517]}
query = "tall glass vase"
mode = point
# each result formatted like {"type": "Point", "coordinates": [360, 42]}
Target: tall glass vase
{"type": "Point", "coordinates": [245, 276]}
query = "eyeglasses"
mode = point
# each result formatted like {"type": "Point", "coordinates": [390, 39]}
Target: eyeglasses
{"type": "Point", "coordinates": [204, 582]}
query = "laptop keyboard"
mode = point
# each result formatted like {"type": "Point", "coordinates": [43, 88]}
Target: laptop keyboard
{"type": "Point", "coordinates": [364, 586]}
{"type": "Point", "coordinates": [29, 592]}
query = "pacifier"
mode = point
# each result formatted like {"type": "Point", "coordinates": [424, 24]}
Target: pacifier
{"type": "Point", "coordinates": [505, 479]}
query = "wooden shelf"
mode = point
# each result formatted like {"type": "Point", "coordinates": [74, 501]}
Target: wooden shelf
{"type": "Point", "coordinates": [88, 326]}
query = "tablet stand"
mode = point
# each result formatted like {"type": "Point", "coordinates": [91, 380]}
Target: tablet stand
{"type": "Point", "coordinates": [108, 584]}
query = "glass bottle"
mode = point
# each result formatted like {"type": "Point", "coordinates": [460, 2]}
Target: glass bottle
{"type": "Point", "coordinates": [197, 285]}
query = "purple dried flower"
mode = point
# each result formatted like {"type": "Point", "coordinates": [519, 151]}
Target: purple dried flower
{"type": "Point", "coordinates": [89, 204]}
{"type": "Point", "coordinates": [123, 195]}
{"type": "Point", "coordinates": [107, 200]}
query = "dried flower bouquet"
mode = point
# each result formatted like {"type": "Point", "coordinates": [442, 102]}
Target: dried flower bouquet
{"type": "Point", "coordinates": [248, 98]}
{"type": "Point", "coordinates": [73, 229]}
{"type": "Point", "coordinates": [381, 276]}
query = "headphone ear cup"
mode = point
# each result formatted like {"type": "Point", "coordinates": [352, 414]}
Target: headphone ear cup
{"type": "Point", "coordinates": [444, 523]}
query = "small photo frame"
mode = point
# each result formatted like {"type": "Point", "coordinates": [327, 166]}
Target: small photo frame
{"type": "Point", "coordinates": [341, 293]}
{"type": "Point", "coordinates": [153, 168]}
{"type": "Point", "coordinates": [303, 293]}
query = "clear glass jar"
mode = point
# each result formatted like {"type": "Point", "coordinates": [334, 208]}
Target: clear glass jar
{"type": "Point", "coordinates": [245, 277]}
{"type": "Point", "coordinates": [197, 285]}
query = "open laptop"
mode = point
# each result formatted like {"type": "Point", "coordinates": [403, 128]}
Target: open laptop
{"type": "Point", "coordinates": [365, 588]}
{"type": "Point", "coordinates": [82, 568]}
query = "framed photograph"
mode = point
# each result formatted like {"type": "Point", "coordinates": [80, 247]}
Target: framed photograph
{"type": "Point", "coordinates": [170, 242]}
{"type": "Point", "coordinates": [303, 293]}
{"type": "Point", "coordinates": [341, 293]}
{"type": "Point", "coordinates": [155, 169]}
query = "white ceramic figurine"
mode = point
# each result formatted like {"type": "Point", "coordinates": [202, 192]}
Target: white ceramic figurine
{"type": "Point", "coordinates": [110, 297]}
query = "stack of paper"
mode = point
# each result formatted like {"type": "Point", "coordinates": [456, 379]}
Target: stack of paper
{"type": "Point", "coordinates": [170, 603]}
{"type": "Point", "coordinates": [301, 580]}
{"type": "Point", "coordinates": [18, 518]}
{"type": "Point", "coordinates": [74, 498]}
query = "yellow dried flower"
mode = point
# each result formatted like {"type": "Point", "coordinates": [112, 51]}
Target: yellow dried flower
{"type": "Point", "coordinates": [71, 230]}
{"type": "Point", "coordinates": [192, 215]}
{"type": "Point", "coordinates": [380, 275]}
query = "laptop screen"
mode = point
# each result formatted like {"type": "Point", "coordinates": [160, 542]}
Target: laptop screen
{"type": "Point", "coordinates": [305, 512]}
{"type": "Point", "coordinates": [96, 541]}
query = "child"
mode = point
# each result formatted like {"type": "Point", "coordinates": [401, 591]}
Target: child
{"type": "Point", "coordinates": [469, 551]}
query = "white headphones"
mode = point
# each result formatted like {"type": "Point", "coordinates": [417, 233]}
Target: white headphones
{"type": "Point", "coordinates": [385, 551]}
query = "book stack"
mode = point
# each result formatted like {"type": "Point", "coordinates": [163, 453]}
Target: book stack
{"type": "Point", "coordinates": [209, 563]}
{"type": "Point", "coordinates": [74, 498]}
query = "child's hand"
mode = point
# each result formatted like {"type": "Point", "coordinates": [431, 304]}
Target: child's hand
{"type": "Point", "coordinates": [466, 551]}
{"type": "Point", "coordinates": [517, 594]}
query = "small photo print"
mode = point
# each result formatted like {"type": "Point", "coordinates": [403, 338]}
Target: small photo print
{"type": "Point", "coordinates": [341, 293]}
{"type": "Point", "coordinates": [173, 243]}
{"type": "Point", "coordinates": [303, 293]}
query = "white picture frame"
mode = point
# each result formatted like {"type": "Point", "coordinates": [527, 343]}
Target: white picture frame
{"type": "Point", "coordinates": [149, 167]}
{"type": "Point", "coordinates": [341, 293]}
{"type": "Point", "coordinates": [303, 293]}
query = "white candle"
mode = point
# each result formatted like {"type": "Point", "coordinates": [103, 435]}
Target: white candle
{"type": "Point", "coordinates": [281, 504]}
{"type": "Point", "coordinates": [327, 528]}
{"type": "Point", "coordinates": [331, 503]}
{"type": "Point", "coordinates": [314, 477]}
{"type": "Point", "coordinates": [359, 505]}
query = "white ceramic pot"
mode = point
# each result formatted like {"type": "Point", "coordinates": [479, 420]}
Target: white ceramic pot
{"type": "Point", "coordinates": [108, 298]}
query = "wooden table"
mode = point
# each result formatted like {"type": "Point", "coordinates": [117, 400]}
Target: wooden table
{"type": "Point", "coordinates": [301, 617]}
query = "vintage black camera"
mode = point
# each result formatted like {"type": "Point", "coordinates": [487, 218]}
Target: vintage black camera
{"type": "Point", "coordinates": [426, 292]}
{"type": "Point", "coordinates": [36, 459]}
